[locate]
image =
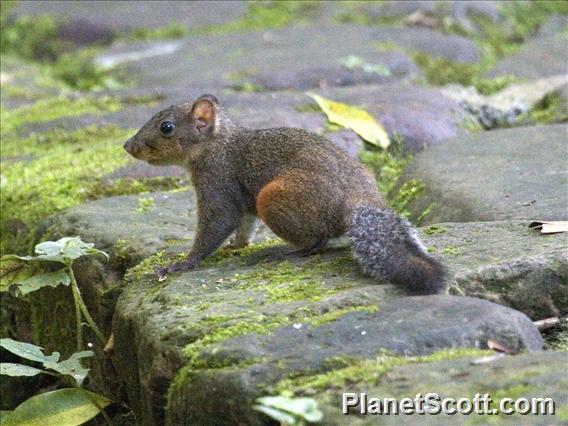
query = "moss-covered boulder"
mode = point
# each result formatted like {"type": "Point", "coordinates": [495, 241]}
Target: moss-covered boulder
{"type": "Point", "coordinates": [507, 263]}
{"type": "Point", "coordinates": [242, 324]}
{"type": "Point", "coordinates": [505, 174]}
{"type": "Point", "coordinates": [540, 58]}
{"type": "Point", "coordinates": [448, 374]}
{"type": "Point", "coordinates": [224, 315]}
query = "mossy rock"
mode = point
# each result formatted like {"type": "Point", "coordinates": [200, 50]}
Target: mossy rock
{"type": "Point", "coordinates": [507, 174]}
{"type": "Point", "coordinates": [163, 327]}
{"type": "Point", "coordinates": [315, 56]}
{"type": "Point", "coordinates": [534, 375]}
{"type": "Point", "coordinates": [537, 59]}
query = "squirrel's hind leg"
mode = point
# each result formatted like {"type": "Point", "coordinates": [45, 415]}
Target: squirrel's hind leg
{"type": "Point", "coordinates": [245, 232]}
{"type": "Point", "coordinates": [297, 209]}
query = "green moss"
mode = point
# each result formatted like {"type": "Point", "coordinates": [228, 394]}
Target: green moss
{"type": "Point", "coordinates": [225, 254]}
{"type": "Point", "coordinates": [388, 167]}
{"type": "Point", "coordinates": [53, 171]}
{"type": "Point", "coordinates": [55, 108]}
{"type": "Point", "coordinates": [226, 327]}
{"type": "Point", "coordinates": [51, 323]}
{"type": "Point", "coordinates": [104, 188]}
{"type": "Point", "coordinates": [174, 30]}
{"type": "Point", "coordinates": [365, 371]}
{"type": "Point", "coordinates": [32, 38]}
{"type": "Point", "coordinates": [308, 108]}
{"type": "Point", "coordinates": [145, 204]}
{"type": "Point", "coordinates": [286, 282]}
{"type": "Point", "coordinates": [386, 46]}
{"type": "Point", "coordinates": [552, 109]}
{"type": "Point", "coordinates": [355, 12]}
{"type": "Point", "coordinates": [435, 230]}
{"type": "Point", "coordinates": [247, 87]}
{"type": "Point", "coordinates": [557, 338]}
{"type": "Point", "coordinates": [266, 14]}
{"type": "Point", "coordinates": [121, 252]}
{"type": "Point", "coordinates": [441, 71]}
{"type": "Point", "coordinates": [37, 39]}
{"type": "Point", "coordinates": [452, 250]}
{"type": "Point", "coordinates": [79, 71]}
{"type": "Point", "coordinates": [145, 267]}
{"type": "Point", "coordinates": [334, 315]}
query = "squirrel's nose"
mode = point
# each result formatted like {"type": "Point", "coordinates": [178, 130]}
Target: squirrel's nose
{"type": "Point", "coordinates": [130, 147]}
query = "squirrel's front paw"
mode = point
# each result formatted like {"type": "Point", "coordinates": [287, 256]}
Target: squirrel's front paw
{"type": "Point", "coordinates": [233, 244]}
{"type": "Point", "coordinates": [162, 273]}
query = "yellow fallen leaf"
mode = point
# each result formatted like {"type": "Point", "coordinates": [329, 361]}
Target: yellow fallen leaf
{"type": "Point", "coordinates": [356, 119]}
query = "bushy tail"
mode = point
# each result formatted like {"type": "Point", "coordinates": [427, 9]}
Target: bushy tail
{"type": "Point", "coordinates": [388, 248]}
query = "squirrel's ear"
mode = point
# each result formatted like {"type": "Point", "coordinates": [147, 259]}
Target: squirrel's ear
{"type": "Point", "coordinates": [203, 111]}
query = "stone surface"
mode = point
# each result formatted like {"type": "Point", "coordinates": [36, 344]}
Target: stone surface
{"type": "Point", "coordinates": [552, 26]}
{"type": "Point", "coordinates": [500, 175]}
{"type": "Point", "coordinates": [458, 11]}
{"type": "Point", "coordinates": [522, 376]}
{"type": "Point", "coordinates": [505, 107]}
{"type": "Point", "coordinates": [505, 262]}
{"type": "Point", "coordinates": [537, 59]}
{"type": "Point", "coordinates": [298, 57]}
{"type": "Point", "coordinates": [92, 21]}
{"type": "Point", "coordinates": [253, 363]}
{"type": "Point", "coordinates": [265, 289]}
{"type": "Point", "coordinates": [421, 116]}
{"type": "Point", "coordinates": [21, 83]}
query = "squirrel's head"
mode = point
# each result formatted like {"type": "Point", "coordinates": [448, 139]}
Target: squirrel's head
{"type": "Point", "coordinates": [172, 134]}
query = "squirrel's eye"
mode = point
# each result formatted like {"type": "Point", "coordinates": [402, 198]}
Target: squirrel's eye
{"type": "Point", "coordinates": [167, 127]}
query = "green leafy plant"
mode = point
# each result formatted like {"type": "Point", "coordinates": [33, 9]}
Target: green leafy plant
{"type": "Point", "coordinates": [288, 410]}
{"type": "Point", "coordinates": [22, 275]}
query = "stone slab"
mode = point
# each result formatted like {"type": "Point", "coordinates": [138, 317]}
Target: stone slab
{"type": "Point", "coordinates": [504, 174]}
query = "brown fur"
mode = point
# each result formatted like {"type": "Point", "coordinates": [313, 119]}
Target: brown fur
{"type": "Point", "coordinates": [301, 185]}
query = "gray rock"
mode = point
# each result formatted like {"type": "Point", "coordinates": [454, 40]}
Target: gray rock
{"type": "Point", "coordinates": [254, 363]}
{"type": "Point", "coordinates": [552, 26]}
{"type": "Point", "coordinates": [529, 376]}
{"type": "Point", "coordinates": [21, 83]}
{"type": "Point", "coordinates": [458, 11]}
{"type": "Point", "coordinates": [88, 21]}
{"type": "Point", "coordinates": [298, 57]}
{"type": "Point", "coordinates": [506, 107]}
{"type": "Point", "coordinates": [537, 59]}
{"type": "Point", "coordinates": [265, 291]}
{"type": "Point", "coordinates": [505, 262]}
{"type": "Point", "coordinates": [421, 116]}
{"type": "Point", "coordinates": [452, 47]}
{"type": "Point", "coordinates": [499, 175]}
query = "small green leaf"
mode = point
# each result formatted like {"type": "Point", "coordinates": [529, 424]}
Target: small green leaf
{"type": "Point", "coordinates": [62, 250]}
{"type": "Point", "coordinates": [356, 119]}
{"type": "Point", "coordinates": [279, 416]}
{"type": "Point", "coordinates": [28, 351]}
{"type": "Point", "coordinates": [63, 407]}
{"type": "Point", "coordinates": [47, 279]}
{"type": "Point", "coordinates": [352, 62]}
{"type": "Point", "coordinates": [4, 415]}
{"type": "Point", "coordinates": [72, 366]}
{"type": "Point", "coordinates": [300, 408]}
{"type": "Point", "coordinates": [14, 270]}
{"type": "Point", "coordinates": [11, 369]}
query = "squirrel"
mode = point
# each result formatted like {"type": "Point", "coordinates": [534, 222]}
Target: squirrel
{"type": "Point", "coordinates": [303, 187]}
